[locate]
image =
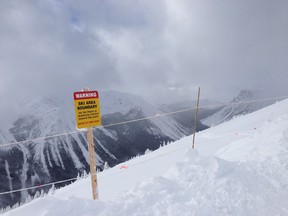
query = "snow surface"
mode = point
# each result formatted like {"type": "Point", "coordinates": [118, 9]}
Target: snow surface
{"type": "Point", "coordinates": [246, 102]}
{"type": "Point", "coordinates": [238, 168]}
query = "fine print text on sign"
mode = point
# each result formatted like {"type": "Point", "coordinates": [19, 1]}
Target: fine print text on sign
{"type": "Point", "coordinates": [87, 109]}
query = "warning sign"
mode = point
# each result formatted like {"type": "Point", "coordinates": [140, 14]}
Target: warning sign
{"type": "Point", "coordinates": [87, 109]}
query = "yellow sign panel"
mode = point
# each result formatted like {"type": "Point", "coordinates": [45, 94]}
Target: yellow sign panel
{"type": "Point", "coordinates": [87, 109]}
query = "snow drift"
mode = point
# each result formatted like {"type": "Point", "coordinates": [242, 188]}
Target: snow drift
{"type": "Point", "coordinates": [238, 168]}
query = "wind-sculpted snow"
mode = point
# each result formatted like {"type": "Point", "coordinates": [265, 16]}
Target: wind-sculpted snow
{"type": "Point", "coordinates": [199, 186]}
{"type": "Point", "coordinates": [260, 144]}
{"type": "Point", "coordinates": [205, 186]}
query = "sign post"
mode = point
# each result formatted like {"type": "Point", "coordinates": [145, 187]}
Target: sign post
{"type": "Point", "coordinates": [93, 172]}
{"type": "Point", "coordinates": [87, 110]}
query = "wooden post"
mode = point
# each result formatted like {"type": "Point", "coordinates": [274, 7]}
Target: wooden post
{"type": "Point", "coordinates": [92, 158]}
{"type": "Point", "coordinates": [195, 119]}
{"type": "Point", "coordinates": [92, 163]}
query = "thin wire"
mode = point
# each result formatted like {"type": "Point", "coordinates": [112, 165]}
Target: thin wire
{"type": "Point", "coordinates": [39, 186]}
{"type": "Point", "coordinates": [103, 126]}
{"type": "Point", "coordinates": [72, 179]}
{"type": "Point", "coordinates": [140, 119]}
{"type": "Point", "coordinates": [39, 138]}
{"type": "Point", "coordinates": [147, 118]}
{"type": "Point", "coordinates": [120, 123]}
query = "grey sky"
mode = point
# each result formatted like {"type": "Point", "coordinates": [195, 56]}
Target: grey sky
{"type": "Point", "coordinates": [160, 49]}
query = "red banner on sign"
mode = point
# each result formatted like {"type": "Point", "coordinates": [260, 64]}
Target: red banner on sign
{"type": "Point", "coordinates": [85, 95]}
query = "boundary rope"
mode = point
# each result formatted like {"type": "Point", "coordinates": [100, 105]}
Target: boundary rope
{"type": "Point", "coordinates": [75, 178]}
{"type": "Point", "coordinates": [140, 119]}
{"type": "Point", "coordinates": [39, 186]}
{"type": "Point", "coordinates": [119, 123]}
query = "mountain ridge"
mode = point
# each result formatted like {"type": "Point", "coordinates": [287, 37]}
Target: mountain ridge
{"type": "Point", "coordinates": [62, 157]}
{"type": "Point", "coordinates": [247, 101]}
{"type": "Point", "coordinates": [225, 174]}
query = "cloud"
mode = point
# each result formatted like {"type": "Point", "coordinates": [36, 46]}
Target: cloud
{"type": "Point", "coordinates": [232, 45]}
{"type": "Point", "coordinates": [42, 53]}
{"type": "Point", "coordinates": [153, 48]}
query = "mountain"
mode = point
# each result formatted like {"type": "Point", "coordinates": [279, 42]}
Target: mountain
{"type": "Point", "coordinates": [57, 158]}
{"type": "Point", "coordinates": [238, 168]}
{"type": "Point", "coordinates": [186, 119]}
{"type": "Point", "coordinates": [246, 102]}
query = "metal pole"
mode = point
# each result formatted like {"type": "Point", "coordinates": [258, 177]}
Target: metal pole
{"type": "Point", "coordinates": [195, 119]}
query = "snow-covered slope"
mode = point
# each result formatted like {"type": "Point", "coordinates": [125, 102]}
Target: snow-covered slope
{"type": "Point", "coordinates": [240, 105]}
{"type": "Point", "coordinates": [238, 168]}
{"type": "Point", "coordinates": [58, 158]}
{"type": "Point", "coordinates": [117, 102]}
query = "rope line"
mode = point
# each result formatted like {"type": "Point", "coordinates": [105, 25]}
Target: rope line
{"type": "Point", "coordinates": [120, 123]}
{"type": "Point", "coordinates": [72, 179]}
{"type": "Point", "coordinates": [141, 119]}
{"type": "Point", "coordinates": [38, 139]}
{"type": "Point", "coordinates": [39, 186]}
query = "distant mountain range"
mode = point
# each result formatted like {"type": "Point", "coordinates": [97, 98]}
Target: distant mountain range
{"type": "Point", "coordinates": [58, 158]}
{"type": "Point", "coordinates": [186, 119]}
{"type": "Point", "coordinates": [63, 157]}
{"type": "Point", "coordinates": [247, 101]}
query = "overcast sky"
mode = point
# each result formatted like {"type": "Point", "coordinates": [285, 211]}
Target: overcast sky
{"type": "Point", "coordinates": [162, 50]}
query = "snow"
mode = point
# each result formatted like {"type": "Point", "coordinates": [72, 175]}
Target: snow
{"type": "Point", "coordinates": [117, 102]}
{"type": "Point", "coordinates": [246, 102]}
{"type": "Point", "coordinates": [238, 168]}
{"type": "Point", "coordinates": [9, 176]}
{"type": "Point", "coordinates": [53, 115]}
{"type": "Point", "coordinates": [113, 102]}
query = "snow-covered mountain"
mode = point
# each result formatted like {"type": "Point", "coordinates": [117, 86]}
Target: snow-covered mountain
{"type": "Point", "coordinates": [57, 158]}
{"type": "Point", "coordinates": [186, 119]}
{"type": "Point", "coordinates": [240, 105]}
{"type": "Point", "coordinates": [238, 168]}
